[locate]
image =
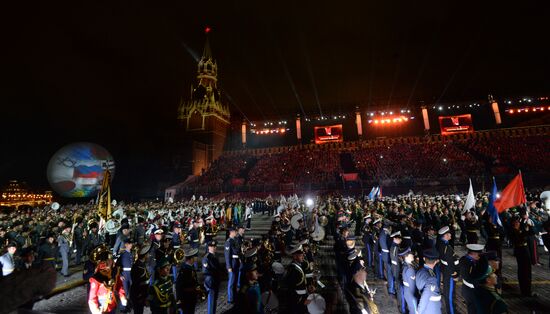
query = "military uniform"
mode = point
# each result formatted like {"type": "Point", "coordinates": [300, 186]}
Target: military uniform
{"type": "Point", "coordinates": [468, 269]}
{"type": "Point", "coordinates": [490, 302]}
{"type": "Point", "coordinates": [193, 236]}
{"type": "Point", "coordinates": [186, 288]}
{"type": "Point", "coordinates": [368, 242]}
{"type": "Point", "coordinates": [296, 283]}
{"type": "Point", "coordinates": [232, 261]}
{"type": "Point", "coordinates": [409, 288]}
{"type": "Point", "coordinates": [125, 262]}
{"type": "Point", "coordinates": [64, 251]}
{"type": "Point", "coordinates": [139, 286]}
{"type": "Point", "coordinates": [212, 277]}
{"type": "Point", "coordinates": [161, 296]}
{"type": "Point", "coordinates": [78, 244]}
{"type": "Point", "coordinates": [449, 267]}
{"type": "Point", "coordinates": [358, 298]}
{"type": "Point", "coordinates": [385, 251]}
{"type": "Point", "coordinates": [519, 240]}
{"type": "Point", "coordinates": [430, 297]}
{"type": "Point", "coordinates": [396, 273]}
{"type": "Point", "coordinates": [102, 297]}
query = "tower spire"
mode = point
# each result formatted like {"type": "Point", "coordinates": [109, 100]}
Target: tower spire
{"type": "Point", "coordinates": [207, 52]}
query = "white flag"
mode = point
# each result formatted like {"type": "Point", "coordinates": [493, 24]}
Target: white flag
{"type": "Point", "coordinates": [470, 200]}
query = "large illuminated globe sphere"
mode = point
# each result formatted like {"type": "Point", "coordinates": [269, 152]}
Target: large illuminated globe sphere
{"type": "Point", "coordinates": [77, 170]}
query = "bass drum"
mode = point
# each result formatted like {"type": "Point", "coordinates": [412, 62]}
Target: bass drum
{"type": "Point", "coordinates": [270, 302]}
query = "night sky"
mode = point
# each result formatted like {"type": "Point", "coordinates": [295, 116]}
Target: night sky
{"type": "Point", "coordinates": [113, 72]}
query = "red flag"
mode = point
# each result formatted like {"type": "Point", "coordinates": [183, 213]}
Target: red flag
{"type": "Point", "coordinates": [512, 195]}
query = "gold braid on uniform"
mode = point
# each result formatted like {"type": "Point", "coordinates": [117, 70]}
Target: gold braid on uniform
{"type": "Point", "coordinates": [162, 297]}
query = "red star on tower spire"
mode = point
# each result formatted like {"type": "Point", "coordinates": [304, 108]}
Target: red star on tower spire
{"type": "Point", "coordinates": [207, 29]}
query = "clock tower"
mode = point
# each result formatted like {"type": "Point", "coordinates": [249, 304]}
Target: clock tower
{"type": "Point", "coordinates": [203, 115]}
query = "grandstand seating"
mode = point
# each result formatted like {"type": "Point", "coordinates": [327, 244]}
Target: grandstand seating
{"type": "Point", "coordinates": [412, 158]}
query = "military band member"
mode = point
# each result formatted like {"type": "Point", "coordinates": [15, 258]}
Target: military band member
{"type": "Point", "coordinates": [209, 231]}
{"type": "Point", "coordinates": [125, 262]}
{"type": "Point", "coordinates": [187, 284]}
{"type": "Point", "coordinates": [176, 235]}
{"type": "Point", "coordinates": [428, 286]}
{"type": "Point", "coordinates": [120, 240]}
{"type": "Point", "coordinates": [384, 247]}
{"type": "Point", "coordinates": [368, 241]}
{"type": "Point", "coordinates": [472, 225]}
{"type": "Point", "coordinates": [161, 293]}
{"type": "Point", "coordinates": [519, 238]}
{"type": "Point", "coordinates": [64, 249]}
{"type": "Point", "coordinates": [232, 264]}
{"type": "Point", "coordinates": [469, 266]}
{"type": "Point", "coordinates": [409, 280]}
{"type": "Point", "coordinates": [94, 239]}
{"type": "Point", "coordinates": [8, 259]}
{"type": "Point", "coordinates": [103, 287]}
{"type": "Point", "coordinates": [358, 294]}
{"type": "Point", "coordinates": [449, 267]}
{"type": "Point", "coordinates": [47, 251]}
{"type": "Point", "coordinates": [78, 241]}
{"type": "Point", "coordinates": [193, 235]}
{"type": "Point", "coordinates": [249, 299]}
{"type": "Point", "coordinates": [488, 300]}
{"type": "Point", "coordinates": [396, 270]}
{"type": "Point", "coordinates": [140, 281]}
{"type": "Point", "coordinates": [212, 276]}
{"type": "Point", "coordinates": [296, 282]}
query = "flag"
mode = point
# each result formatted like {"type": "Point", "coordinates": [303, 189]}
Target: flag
{"type": "Point", "coordinates": [512, 195]}
{"type": "Point", "coordinates": [470, 199]}
{"type": "Point", "coordinates": [373, 193]}
{"type": "Point", "coordinates": [379, 194]}
{"type": "Point", "coordinates": [104, 201]}
{"type": "Point", "coordinates": [491, 209]}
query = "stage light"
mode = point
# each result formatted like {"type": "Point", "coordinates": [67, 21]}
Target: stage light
{"type": "Point", "coordinates": [391, 112]}
{"type": "Point", "coordinates": [309, 202]}
{"type": "Point", "coordinates": [375, 121]}
{"type": "Point", "coordinates": [498, 195]}
{"type": "Point", "coordinates": [511, 110]}
{"type": "Point", "coordinates": [382, 121]}
{"type": "Point", "coordinates": [440, 108]}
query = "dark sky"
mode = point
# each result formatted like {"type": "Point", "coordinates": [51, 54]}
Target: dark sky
{"type": "Point", "coordinates": [112, 72]}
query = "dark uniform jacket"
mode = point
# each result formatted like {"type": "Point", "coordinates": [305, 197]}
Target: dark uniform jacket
{"type": "Point", "coordinates": [358, 298]}
{"type": "Point", "coordinates": [212, 271]}
{"type": "Point", "coordinates": [140, 282]}
{"type": "Point", "coordinates": [490, 302]}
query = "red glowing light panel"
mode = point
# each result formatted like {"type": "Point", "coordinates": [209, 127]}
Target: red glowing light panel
{"type": "Point", "coordinates": [456, 124]}
{"type": "Point", "coordinates": [328, 134]}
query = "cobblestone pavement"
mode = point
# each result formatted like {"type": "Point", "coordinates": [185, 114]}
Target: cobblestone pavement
{"type": "Point", "coordinates": [74, 300]}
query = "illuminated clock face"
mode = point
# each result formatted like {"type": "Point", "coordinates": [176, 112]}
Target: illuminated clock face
{"type": "Point", "coordinates": [77, 170]}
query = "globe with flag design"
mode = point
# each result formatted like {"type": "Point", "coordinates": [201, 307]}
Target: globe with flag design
{"type": "Point", "coordinates": [77, 170]}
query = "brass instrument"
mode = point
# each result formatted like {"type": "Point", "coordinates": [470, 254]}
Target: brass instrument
{"type": "Point", "coordinates": [247, 244]}
{"type": "Point", "coordinates": [215, 229]}
{"type": "Point", "coordinates": [178, 255]}
{"type": "Point", "coordinates": [323, 221]}
{"type": "Point", "coordinates": [100, 253]}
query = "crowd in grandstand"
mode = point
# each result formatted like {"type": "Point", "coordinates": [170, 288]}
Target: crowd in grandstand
{"type": "Point", "coordinates": [399, 161]}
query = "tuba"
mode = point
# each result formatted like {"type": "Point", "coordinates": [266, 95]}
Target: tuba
{"type": "Point", "coordinates": [112, 226]}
